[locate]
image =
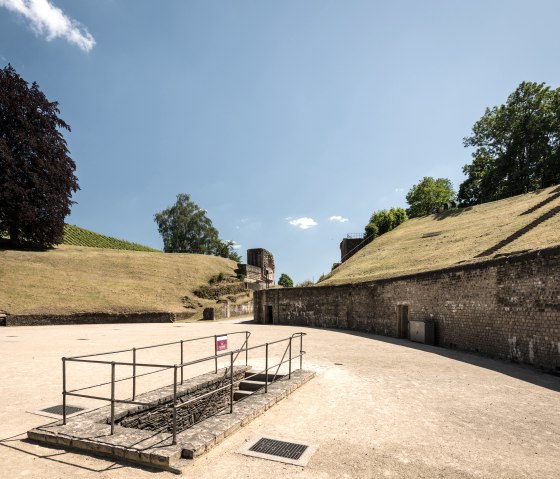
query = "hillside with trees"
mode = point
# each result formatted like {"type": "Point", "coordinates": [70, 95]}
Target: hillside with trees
{"type": "Point", "coordinates": [457, 236]}
{"type": "Point", "coordinates": [516, 146]}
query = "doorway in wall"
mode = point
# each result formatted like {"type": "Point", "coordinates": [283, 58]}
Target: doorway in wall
{"type": "Point", "coordinates": [402, 321]}
{"type": "Point", "coordinates": [268, 315]}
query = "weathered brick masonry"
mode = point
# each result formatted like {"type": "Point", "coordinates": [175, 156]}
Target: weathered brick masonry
{"type": "Point", "coordinates": [507, 307]}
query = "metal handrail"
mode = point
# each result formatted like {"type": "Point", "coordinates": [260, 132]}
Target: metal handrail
{"type": "Point", "coordinates": [155, 345]}
{"type": "Point", "coordinates": [233, 355]}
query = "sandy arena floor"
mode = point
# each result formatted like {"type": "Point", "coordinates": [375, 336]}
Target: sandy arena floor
{"type": "Point", "coordinates": [379, 407]}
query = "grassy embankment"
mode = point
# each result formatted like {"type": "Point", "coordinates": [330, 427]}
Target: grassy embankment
{"type": "Point", "coordinates": [70, 279]}
{"type": "Point", "coordinates": [516, 224]}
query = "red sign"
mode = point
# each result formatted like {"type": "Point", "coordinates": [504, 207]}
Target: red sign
{"type": "Point", "coordinates": [221, 343]}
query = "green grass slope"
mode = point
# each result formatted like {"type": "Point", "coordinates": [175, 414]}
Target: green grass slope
{"type": "Point", "coordinates": [70, 279]}
{"type": "Point", "coordinates": [76, 236]}
{"type": "Point", "coordinates": [516, 224]}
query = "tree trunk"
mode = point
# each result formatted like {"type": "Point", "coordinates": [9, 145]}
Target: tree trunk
{"type": "Point", "coordinates": [14, 235]}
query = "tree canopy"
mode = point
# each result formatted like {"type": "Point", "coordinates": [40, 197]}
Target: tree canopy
{"type": "Point", "coordinates": [185, 228]}
{"type": "Point", "coordinates": [517, 146]}
{"type": "Point", "coordinates": [285, 281]}
{"type": "Point", "coordinates": [36, 173]}
{"type": "Point", "coordinates": [428, 195]}
{"type": "Point", "coordinates": [383, 221]}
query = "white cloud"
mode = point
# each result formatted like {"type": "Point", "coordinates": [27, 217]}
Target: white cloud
{"type": "Point", "coordinates": [340, 219]}
{"type": "Point", "coordinates": [51, 21]}
{"type": "Point", "coordinates": [399, 190]}
{"type": "Point", "coordinates": [234, 244]}
{"type": "Point", "coordinates": [304, 223]}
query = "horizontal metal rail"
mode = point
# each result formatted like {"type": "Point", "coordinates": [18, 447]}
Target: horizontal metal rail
{"type": "Point", "coordinates": [101, 398]}
{"type": "Point", "coordinates": [155, 345]}
{"type": "Point", "coordinates": [118, 380]}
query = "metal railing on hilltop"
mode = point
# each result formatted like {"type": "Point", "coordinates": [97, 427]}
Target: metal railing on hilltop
{"type": "Point", "coordinates": [179, 369]}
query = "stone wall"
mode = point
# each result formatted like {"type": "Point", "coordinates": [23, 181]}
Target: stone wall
{"type": "Point", "coordinates": [160, 418]}
{"type": "Point", "coordinates": [251, 273]}
{"type": "Point", "coordinates": [228, 309]}
{"type": "Point", "coordinates": [507, 307]}
{"type": "Point", "coordinates": [86, 318]}
{"type": "Point", "coordinates": [265, 261]}
{"type": "Point", "coordinates": [349, 247]}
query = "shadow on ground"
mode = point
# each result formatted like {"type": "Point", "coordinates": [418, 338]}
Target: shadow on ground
{"type": "Point", "coordinates": [21, 443]}
{"type": "Point", "coordinates": [523, 372]}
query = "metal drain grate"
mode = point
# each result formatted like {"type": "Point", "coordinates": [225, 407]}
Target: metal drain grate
{"type": "Point", "coordinates": [296, 453]}
{"type": "Point", "coordinates": [272, 447]}
{"type": "Point", "coordinates": [58, 409]}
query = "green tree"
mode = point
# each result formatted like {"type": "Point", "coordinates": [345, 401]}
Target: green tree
{"type": "Point", "coordinates": [36, 173]}
{"type": "Point", "coordinates": [285, 281]}
{"type": "Point", "coordinates": [428, 195]}
{"type": "Point", "coordinates": [516, 146]}
{"type": "Point", "coordinates": [383, 221]}
{"type": "Point", "coordinates": [185, 228]}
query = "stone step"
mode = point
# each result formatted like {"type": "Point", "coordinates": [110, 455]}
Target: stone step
{"type": "Point", "coordinates": [237, 395]}
{"type": "Point", "coordinates": [261, 377]}
{"type": "Point", "coordinates": [250, 385]}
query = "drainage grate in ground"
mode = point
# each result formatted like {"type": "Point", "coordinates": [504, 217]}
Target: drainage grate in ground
{"type": "Point", "coordinates": [279, 450]}
{"type": "Point", "coordinates": [58, 409]}
{"type": "Point", "coordinates": [290, 450]}
{"type": "Point", "coordinates": [55, 412]}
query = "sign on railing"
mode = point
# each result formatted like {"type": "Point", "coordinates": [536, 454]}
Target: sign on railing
{"type": "Point", "coordinates": [221, 343]}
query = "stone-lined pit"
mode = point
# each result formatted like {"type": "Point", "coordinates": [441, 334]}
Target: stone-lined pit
{"type": "Point", "coordinates": [160, 417]}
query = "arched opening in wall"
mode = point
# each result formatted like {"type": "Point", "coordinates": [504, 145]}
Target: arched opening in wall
{"type": "Point", "coordinates": [402, 321]}
{"type": "Point", "coordinates": [268, 318]}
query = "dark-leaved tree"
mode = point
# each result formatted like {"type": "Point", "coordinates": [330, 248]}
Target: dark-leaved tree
{"type": "Point", "coordinates": [36, 174]}
{"type": "Point", "coordinates": [185, 228]}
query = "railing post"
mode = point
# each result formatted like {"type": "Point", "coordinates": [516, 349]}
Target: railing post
{"type": "Point", "coordinates": [215, 353]}
{"type": "Point", "coordinates": [64, 391]}
{"type": "Point", "coordinates": [174, 405]}
{"type": "Point", "coordinates": [182, 361]}
{"type": "Point", "coordinates": [266, 369]}
{"type": "Point", "coordinates": [231, 383]}
{"type": "Point", "coordinates": [112, 397]}
{"type": "Point", "coordinates": [290, 359]}
{"type": "Point", "coordinates": [133, 374]}
{"type": "Point", "coordinates": [246, 348]}
{"type": "Point", "coordinates": [300, 350]}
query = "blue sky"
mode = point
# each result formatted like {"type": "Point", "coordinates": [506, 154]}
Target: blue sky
{"type": "Point", "coordinates": [270, 112]}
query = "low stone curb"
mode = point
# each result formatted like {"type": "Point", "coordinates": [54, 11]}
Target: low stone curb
{"type": "Point", "coordinates": [85, 318]}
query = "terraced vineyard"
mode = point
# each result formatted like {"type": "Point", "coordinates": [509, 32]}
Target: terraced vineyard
{"type": "Point", "coordinates": [76, 236]}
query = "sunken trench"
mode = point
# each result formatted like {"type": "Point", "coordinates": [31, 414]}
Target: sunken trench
{"type": "Point", "coordinates": [198, 402]}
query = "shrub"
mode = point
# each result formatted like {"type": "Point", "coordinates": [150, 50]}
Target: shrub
{"type": "Point", "coordinates": [383, 221]}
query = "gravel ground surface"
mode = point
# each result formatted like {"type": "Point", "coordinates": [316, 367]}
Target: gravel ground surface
{"type": "Point", "coordinates": [379, 407]}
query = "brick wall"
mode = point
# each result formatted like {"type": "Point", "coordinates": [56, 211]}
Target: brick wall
{"type": "Point", "coordinates": [506, 307]}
